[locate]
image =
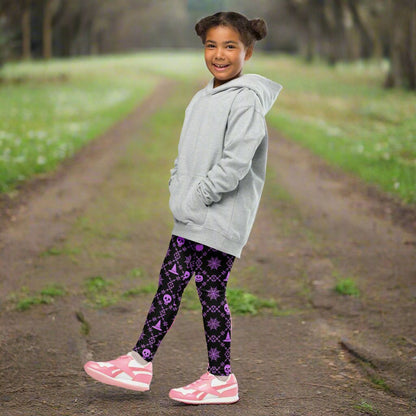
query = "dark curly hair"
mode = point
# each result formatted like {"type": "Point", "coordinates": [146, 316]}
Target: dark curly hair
{"type": "Point", "coordinates": [249, 30]}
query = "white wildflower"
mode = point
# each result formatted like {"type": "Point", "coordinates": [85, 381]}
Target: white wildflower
{"type": "Point", "coordinates": [41, 160]}
{"type": "Point", "coordinates": [20, 159]}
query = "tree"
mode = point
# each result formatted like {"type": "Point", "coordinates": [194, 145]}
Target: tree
{"type": "Point", "coordinates": [26, 29]}
{"type": "Point", "coordinates": [402, 44]}
{"type": "Point", "coordinates": [47, 28]}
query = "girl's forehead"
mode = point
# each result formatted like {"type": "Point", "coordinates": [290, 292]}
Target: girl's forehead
{"type": "Point", "coordinates": [222, 33]}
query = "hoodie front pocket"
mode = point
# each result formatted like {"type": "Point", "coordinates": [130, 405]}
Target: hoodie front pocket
{"type": "Point", "coordinates": [185, 203]}
{"type": "Point", "coordinates": [195, 209]}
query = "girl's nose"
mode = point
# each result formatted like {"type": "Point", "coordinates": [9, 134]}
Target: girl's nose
{"type": "Point", "coordinates": [219, 54]}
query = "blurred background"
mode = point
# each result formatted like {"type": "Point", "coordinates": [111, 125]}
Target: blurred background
{"type": "Point", "coordinates": [69, 69]}
{"type": "Point", "coordinates": [334, 30]}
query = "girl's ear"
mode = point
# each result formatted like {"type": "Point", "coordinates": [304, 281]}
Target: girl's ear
{"type": "Point", "coordinates": [249, 53]}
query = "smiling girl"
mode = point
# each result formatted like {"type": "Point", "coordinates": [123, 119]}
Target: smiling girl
{"type": "Point", "coordinates": [215, 189]}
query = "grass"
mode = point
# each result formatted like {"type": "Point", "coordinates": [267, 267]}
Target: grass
{"type": "Point", "coordinates": [245, 303]}
{"type": "Point", "coordinates": [144, 195]}
{"type": "Point", "coordinates": [239, 301]}
{"type": "Point", "coordinates": [101, 293]}
{"type": "Point", "coordinates": [380, 383]}
{"type": "Point", "coordinates": [98, 293]}
{"type": "Point", "coordinates": [347, 287]}
{"type": "Point", "coordinates": [136, 291]}
{"type": "Point", "coordinates": [367, 408]}
{"type": "Point", "coordinates": [62, 105]}
{"type": "Point", "coordinates": [344, 115]}
{"type": "Point", "coordinates": [24, 300]}
{"type": "Point", "coordinates": [341, 113]}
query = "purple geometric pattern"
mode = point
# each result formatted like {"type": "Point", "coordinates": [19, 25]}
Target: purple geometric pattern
{"type": "Point", "coordinates": [211, 267]}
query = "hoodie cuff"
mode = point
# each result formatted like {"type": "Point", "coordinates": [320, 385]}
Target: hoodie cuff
{"type": "Point", "coordinates": [204, 195]}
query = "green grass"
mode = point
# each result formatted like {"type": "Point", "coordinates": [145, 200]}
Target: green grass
{"type": "Point", "coordinates": [98, 293]}
{"type": "Point", "coordinates": [367, 408]}
{"type": "Point", "coordinates": [24, 300]}
{"type": "Point", "coordinates": [347, 286]}
{"type": "Point", "coordinates": [136, 291]}
{"type": "Point", "coordinates": [380, 383]}
{"type": "Point", "coordinates": [345, 115]}
{"type": "Point", "coordinates": [239, 301]}
{"type": "Point", "coordinates": [341, 113]}
{"type": "Point", "coordinates": [60, 107]}
{"type": "Point", "coordinates": [245, 303]}
{"type": "Point", "coordinates": [53, 291]}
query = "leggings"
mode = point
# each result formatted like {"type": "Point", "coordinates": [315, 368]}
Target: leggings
{"type": "Point", "coordinates": [212, 269]}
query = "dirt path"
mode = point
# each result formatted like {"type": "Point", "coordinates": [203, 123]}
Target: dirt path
{"type": "Point", "coordinates": [324, 354]}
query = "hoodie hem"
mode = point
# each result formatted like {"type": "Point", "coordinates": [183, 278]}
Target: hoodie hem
{"type": "Point", "coordinates": [208, 238]}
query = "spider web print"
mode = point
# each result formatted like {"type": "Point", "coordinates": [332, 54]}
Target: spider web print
{"type": "Point", "coordinates": [213, 354]}
{"type": "Point", "coordinates": [214, 263]}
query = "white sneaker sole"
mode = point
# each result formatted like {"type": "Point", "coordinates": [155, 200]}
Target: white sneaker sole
{"type": "Point", "coordinates": [125, 384]}
{"type": "Point", "coordinates": [214, 400]}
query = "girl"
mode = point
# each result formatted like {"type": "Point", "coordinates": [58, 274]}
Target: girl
{"type": "Point", "coordinates": [215, 189]}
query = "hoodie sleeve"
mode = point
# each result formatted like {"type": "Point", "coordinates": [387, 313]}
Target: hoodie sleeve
{"type": "Point", "coordinates": [246, 129]}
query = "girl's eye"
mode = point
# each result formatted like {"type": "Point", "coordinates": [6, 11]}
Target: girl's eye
{"type": "Point", "coordinates": [210, 46]}
{"type": "Point", "coordinates": [230, 47]}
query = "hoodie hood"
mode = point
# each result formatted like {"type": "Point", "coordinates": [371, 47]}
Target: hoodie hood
{"type": "Point", "coordinates": [265, 89]}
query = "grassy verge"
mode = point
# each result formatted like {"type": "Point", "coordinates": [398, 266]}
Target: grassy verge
{"type": "Point", "coordinates": [49, 110]}
{"type": "Point", "coordinates": [344, 115]}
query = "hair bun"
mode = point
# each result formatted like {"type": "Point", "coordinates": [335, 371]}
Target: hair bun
{"type": "Point", "coordinates": [199, 28]}
{"type": "Point", "coordinates": [258, 28]}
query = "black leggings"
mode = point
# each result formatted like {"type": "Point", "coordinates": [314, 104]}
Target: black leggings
{"type": "Point", "coordinates": [212, 269]}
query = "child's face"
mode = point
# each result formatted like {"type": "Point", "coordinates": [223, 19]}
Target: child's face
{"type": "Point", "coordinates": [225, 54]}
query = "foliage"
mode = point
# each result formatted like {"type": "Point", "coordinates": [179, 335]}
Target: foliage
{"type": "Point", "coordinates": [24, 300]}
{"type": "Point", "coordinates": [60, 107]}
{"type": "Point", "coordinates": [367, 408]}
{"type": "Point", "coordinates": [344, 115]}
{"type": "Point", "coordinates": [242, 302]}
{"type": "Point", "coordinates": [340, 113]}
{"type": "Point", "coordinates": [146, 289]}
{"type": "Point", "coordinates": [98, 293]}
{"type": "Point", "coordinates": [3, 43]}
{"type": "Point", "coordinates": [53, 291]}
{"type": "Point", "coordinates": [347, 286]}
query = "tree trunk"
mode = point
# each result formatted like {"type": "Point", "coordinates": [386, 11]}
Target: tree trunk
{"type": "Point", "coordinates": [337, 37]}
{"type": "Point", "coordinates": [366, 40]}
{"type": "Point", "coordinates": [402, 45]}
{"type": "Point", "coordinates": [26, 30]}
{"type": "Point", "coordinates": [47, 29]}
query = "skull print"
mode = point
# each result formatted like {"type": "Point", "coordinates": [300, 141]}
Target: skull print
{"type": "Point", "coordinates": [146, 353]}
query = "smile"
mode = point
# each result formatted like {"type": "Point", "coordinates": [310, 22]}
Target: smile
{"type": "Point", "coordinates": [219, 66]}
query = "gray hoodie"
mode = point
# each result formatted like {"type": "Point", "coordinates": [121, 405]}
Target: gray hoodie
{"type": "Point", "coordinates": [218, 177]}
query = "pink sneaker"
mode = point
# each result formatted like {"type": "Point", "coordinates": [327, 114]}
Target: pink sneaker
{"type": "Point", "coordinates": [124, 372]}
{"type": "Point", "coordinates": [207, 390]}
